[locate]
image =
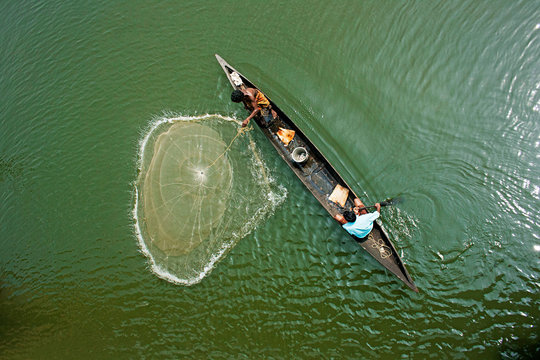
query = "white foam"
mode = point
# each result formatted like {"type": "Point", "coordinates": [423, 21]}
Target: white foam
{"type": "Point", "coordinates": [274, 200]}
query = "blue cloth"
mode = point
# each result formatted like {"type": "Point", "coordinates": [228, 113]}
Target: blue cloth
{"type": "Point", "coordinates": [267, 115]}
{"type": "Point", "coordinates": [363, 224]}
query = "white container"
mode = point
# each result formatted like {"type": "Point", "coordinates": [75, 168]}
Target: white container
{"type": "Point", "coordinates": [300, 155]}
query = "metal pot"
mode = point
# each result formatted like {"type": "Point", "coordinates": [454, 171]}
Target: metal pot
{"type": "Point", "coordinates": [300, 155]}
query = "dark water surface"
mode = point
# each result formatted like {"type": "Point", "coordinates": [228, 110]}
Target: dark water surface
{"type": "Point", "coordinates": [438, 102]}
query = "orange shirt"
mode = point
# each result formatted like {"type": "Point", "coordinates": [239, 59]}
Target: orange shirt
{"type": "Point", "coordinates": [261, 100]}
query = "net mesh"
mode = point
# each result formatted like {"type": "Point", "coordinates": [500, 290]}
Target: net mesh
{"type": "Point", "coordinates": [195, 199]}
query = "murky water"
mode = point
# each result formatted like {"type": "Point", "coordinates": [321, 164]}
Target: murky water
{"type": "Point", "coordinates": [436, 102]}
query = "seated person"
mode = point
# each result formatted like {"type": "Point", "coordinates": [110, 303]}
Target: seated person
{"type": "Point", "coordinates": [255, 100]}
{"type": "Point", "coordinates": [358, 222]}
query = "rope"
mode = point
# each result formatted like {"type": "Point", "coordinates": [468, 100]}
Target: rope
{"type": "Point", "coordinates": [384, 250]}
{"type": "Point", "coordinates": [240, 132]}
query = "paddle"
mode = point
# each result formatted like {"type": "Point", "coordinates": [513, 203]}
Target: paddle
{"type": "Point", "coordinates": [387, 202]}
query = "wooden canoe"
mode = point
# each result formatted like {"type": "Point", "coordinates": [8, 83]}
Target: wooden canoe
{"type": "Point", "coordinates": [322, 180]}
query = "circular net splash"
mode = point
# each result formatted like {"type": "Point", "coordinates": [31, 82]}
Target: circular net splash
{"type": "Point", "coordinates": [194, 198]}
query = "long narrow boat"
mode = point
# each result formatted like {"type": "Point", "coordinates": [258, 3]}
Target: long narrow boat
{"type": "Point", "coordinates": [320, 177]}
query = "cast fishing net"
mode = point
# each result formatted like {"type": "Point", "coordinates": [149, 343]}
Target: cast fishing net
{"type": "Point", "coordinates": [202, 187]}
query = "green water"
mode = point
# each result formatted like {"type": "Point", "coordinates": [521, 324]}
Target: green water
{"type": "Point", "coordinates": [438, 102]}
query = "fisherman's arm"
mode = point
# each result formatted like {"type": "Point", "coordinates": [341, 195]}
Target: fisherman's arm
{"type": "Point", "coordinates": [340, 219]}
{"type": "Point", "coordinates": [256, 110]}
{"type": "Point", "coordinates": [358, 204]}
{"type": "Point", "coordinates": [375, 215]}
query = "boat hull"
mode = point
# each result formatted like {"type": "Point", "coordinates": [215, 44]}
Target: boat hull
{"type": "Point", "coordinates": [320, 178]}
